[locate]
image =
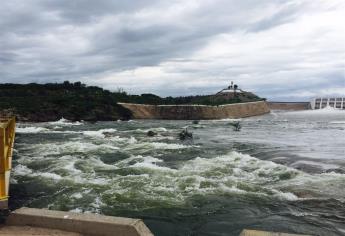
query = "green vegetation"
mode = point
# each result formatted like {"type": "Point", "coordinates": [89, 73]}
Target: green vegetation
{"type": "Point", "coordinates": [73, 101]}
{"type": "Point", "coordinates": [76, 101]}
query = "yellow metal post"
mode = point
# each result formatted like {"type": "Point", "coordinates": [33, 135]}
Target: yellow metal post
{"type": "Point", "coordinates": [2, 165]}
{"type": "Point", "coordinates": [7, 133]}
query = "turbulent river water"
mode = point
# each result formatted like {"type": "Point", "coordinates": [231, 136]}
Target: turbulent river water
{"type": "Point", "coordinates": [284, 171]}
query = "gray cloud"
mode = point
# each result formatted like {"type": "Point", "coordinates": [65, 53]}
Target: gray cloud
{"type": "Point", "coordinates": [176, 47]}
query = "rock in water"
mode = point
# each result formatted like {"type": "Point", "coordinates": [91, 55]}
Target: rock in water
{"type": "Point", "coordinates": [185, 134]}
{"type": "Point", "coordinates": [151, 133]}
{"type": "Point", "coordinates": [237, 125]}
{"type": "Point", "coordinates": [107, 134]}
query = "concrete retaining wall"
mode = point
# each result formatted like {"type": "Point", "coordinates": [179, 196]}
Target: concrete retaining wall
{"type": "Point", "coordinates": [247, 232]}
{"type": "Point", "coordinates": [86, 224]}
{"type": "Point", "coordinates": [296, 106]}
{"type": "Point", "coordinates": [196, 112]}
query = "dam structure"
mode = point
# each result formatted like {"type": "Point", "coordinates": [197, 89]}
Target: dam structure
{"type": "Point", "coordinates": [292, 106]}
{"type": "Point", "coordinates": [335, 102]}
{"type": "Point", "coordinates": [230, 102]}
{"type": "Point", "coordinates": [197, 112]}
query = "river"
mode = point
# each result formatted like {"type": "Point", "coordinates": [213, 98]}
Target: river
{"type": "Point", "coordinates": [283, 171]}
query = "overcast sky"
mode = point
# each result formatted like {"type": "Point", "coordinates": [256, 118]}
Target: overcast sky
{"type": "Point", "coordinates": [279, 49]}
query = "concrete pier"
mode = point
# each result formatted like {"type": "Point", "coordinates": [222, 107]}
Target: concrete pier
{"type": "Point", "coordinates": [248, 232]}
{"type": "Point", "coordinates": [41, 220]}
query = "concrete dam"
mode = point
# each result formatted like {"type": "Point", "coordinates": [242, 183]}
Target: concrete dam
{"type": "Point", "coordinates": [196, 112]}
{"type": "Point", "coordinates": [293, 106]}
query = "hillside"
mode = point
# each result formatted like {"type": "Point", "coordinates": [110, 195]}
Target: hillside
{"type": "Point", "coordinates": [73, 101]}
{"type": "Point", "coordinates": [76, 101]}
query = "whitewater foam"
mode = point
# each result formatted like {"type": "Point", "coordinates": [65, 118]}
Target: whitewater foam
{"type": "Point", "coordinates": [337, 122]}
{"type": "Point", "coordinates": [65, 122]}
{"type": "Point", "coordinates": [234, 173]}
{"type": "Point", "coordinates": [324, 111]}
{"type": "Point", "coordinates": [31, 130]}
{"type": "Point", "coordinates": [36, 130]}
{"type": "Point", "coordinates": [48, 175]}
{"type": "Point", "coordinates": [70, 167]}
{"type": "Point", "coordinates": [148, 162]}
{"type": "Point", "coordinates": [285, 195]}
{"type": "Point", "coordinates": [227, 120]}
{"type": "Point", "coordinates": [156, 129]}
{"type": "Point", "coordinates": [77, 146]}
{"type": "Point", "coordinates": [157, 145]}
{"type": "Point", "coordinates": [99, 133]}
{"type": "Point", "coordinates": [21, 170]}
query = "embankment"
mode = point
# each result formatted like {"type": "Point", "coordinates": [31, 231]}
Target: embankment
{"type": "Point", "coordinates": [289, 105]}
{"type": "Point", "coordinates": [196, 112]}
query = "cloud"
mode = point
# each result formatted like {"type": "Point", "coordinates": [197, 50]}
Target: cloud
{"type": "Point", "coordinates": [278, 49]}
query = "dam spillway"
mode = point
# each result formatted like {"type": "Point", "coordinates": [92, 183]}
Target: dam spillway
{"type": "Point", "coordinates": [196, 112]}
{"type": "Point", "coordinates": [335, 102]}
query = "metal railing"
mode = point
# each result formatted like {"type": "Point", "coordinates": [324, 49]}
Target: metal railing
{"type": "Point", "coordinates": [7, 133]}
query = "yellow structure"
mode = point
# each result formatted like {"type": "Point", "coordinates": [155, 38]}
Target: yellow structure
{"type": "Point", "coordinates": [7, 133]}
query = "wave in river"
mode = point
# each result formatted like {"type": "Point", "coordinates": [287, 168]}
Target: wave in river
{"type": "Point", "coordinates": [31, 129]}
{"type": "Point", "coordinates": [65, 122]}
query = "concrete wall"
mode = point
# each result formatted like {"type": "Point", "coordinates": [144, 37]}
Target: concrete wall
{"type": "Point", "coordinates": [247, 232]}
{"type": "Point", "coordinates": [289, 105]}
{"type": "Point", "coordinates": [85, 224]}
{"type": "Point", "coordinates": [196, 112]}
